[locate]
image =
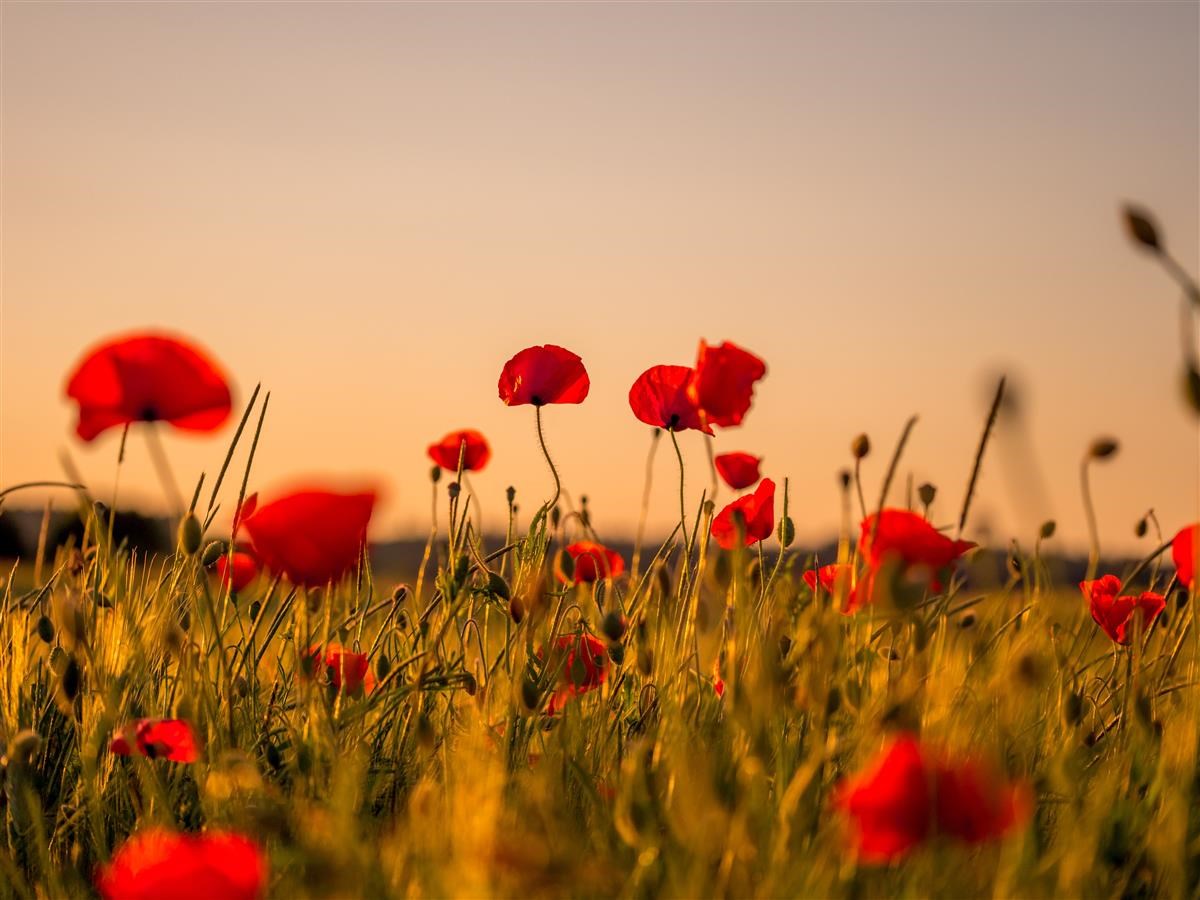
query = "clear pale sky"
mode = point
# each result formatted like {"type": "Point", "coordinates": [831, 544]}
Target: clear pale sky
{"type": "Point", "coordinates": [370, 207]}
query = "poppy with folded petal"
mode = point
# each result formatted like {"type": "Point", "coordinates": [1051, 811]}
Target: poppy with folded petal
{"type": "Point", "coordinates": [347, 671]}
{"type": "Point", "coordinates": [1183, 554]}
{"type": "Point", "coordinates": [910, 795]}
{"type": "Point", "coordinates": [312, 536]}
{"type": "Point", "coordinates": [470, 443]}
{"type": "Point", "coordinates": [542, 375]}
{"type": "Point", "coordinates": [157, 863]}
{"type": "Point", "coordinates": [738, 470]}
{"type": "Point", "coordinates": [723, 384]}
{"type": "Point", "coordinates": [909, 538]}
{"type": "Point", "coordinates": [1114, 613]}
{"type": "Point", "coordinates": [752, 516]}
{"type": "Point", "coordinates": [832, 578]}
{"type": "Point", "coordinates": [239, 573]}
{"type": "Point", "coordinates": [593, 562]}
{"type": "Point", "coordinates": [147, 377]}
{"type": "Point", "coordinates": [584, 669]}
{"type": "Point", "coordinates": [660, 398]}
{"type": "Point", "coordinates": [169, 739]}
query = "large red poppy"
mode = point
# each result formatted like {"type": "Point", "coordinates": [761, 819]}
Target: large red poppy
{"type": "Point", "coordinates": [148, 377]}
{"type": "Point", "coordinates": [753, 514]}
{"type": "Point", "coordinates": [1115, 613]}
{"type": "Point", "coordinates": [660, 398]}
{"type": "Point", "coordinates": [723, 384]}
{"type": "Point", "coordinates": [909, 538]}
{"type": "Point", "coordinates": [170, 739]}
{"type": "Point", "coordinates": [541, 375]}
{"type": "Point", "coordinates": [311, 536]}
{"type": "Point", "coordinates": [584, 669]}
{"type": "Point", "coordinates": [833, 577]}
{"type": "Point", "coordinates": [346, 670]}
{"type": "Point", "coordinates": [910, 795]}
{"type": "Point", "coordinates": [473, 446]}
{"type": "Point", "coordinates": [238, 574]}
{"type": "Point", "coordinates": [738, 470]}
{"type": "Point", "coordinates": [155, 863]}
{"type": "Point", "coordinates": [593, 562]}
{"type": "Point", "coordinates": [1183, 553]}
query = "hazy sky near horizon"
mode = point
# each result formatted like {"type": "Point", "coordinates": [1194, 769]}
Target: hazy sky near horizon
{"type": "Point", "coordinates": [370, 207]}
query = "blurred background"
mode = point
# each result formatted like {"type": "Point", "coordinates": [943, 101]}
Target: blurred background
{"type": "Point", "coordinates": [370, 207]}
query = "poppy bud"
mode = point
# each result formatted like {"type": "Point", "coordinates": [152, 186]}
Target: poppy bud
{"type": "Point", "coordinates": [190, 534]}
{"type": "Point", "coordinates": [454, 489]}
{"type": "Point", "coordinates": [966, 620]}
{"type": "Point", "coordinates": [566, 565]}
{"type": "Point", "coordinates": [470, 684]}
{"type": "Point", "coordinates": [511, 494]}
{"type": "Point", "coordinates": [274, 757]}
{"type": "Point", "coordinates": [241, 686]}
{"type": "Point", "coordinates": [926, 492]}
{"type": "Point", "coordinates": [24, 746]}
{"type": "Point", "coordinates": [255, 609]}
{"type": "Point", "coordinates": [435, 474]}
{"type": "Point", "coordinates": [498, 587]}
{"type": "Point", "coordinates": [613, 626]}
{"type": "Point", "coordinates": [45, 629]}
{"type": "Point", "coordinates": [860, 446]}
{"type": "Point", "coordinates": [1073, 709]}
{"type": "Point", "coordinates": [555, 517]}
{"type": "Point", "coordinates": [530, 695]}
{"type": "Point", "coordinates": [70, 680]}
{"type": "Point", "coordinates": [709, 506]}
{"type": "Point", "coordinates": [516, 610]}
{"type": "Point", "coordinates": [1140, 528]}
{"type": "Point", "coordinates": [1048, 529]}
{"type": "Point", "coordinates": [1103, 448]}
{"type": "Point", "coordinates": [787, 531]}
{"type": "Point", "coordinates": [844, 478]}
{"type": "Point", "coordinates": [1181, 599]}
{"type": "Point", "coordinates": [1141, 228]}
{"type": "Point", "coordinates": [616, 652]}
{"type": "Point", "coordinates": [213, 551]}
{"type": "Point", "coordinates": [833, 702]}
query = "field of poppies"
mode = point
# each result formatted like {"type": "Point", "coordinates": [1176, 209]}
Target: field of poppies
{"type": "Point", "coordinates": [258, 715]}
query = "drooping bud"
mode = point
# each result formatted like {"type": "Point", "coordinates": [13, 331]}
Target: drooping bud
{"type": "Point", "coordinates": [45, 629]}
{"type": "Point", "coordinates": [1140, 528]}
{"type": "Point", "coordinates": [435, 474]}
{"type": "Point", "coordinates": [844, 479]}
{"type": "Point", "coordinates": [1048, 529]}
{"type": "Point", "coordinates": [517, 610]}
{"type": "Point", "coordinates": [860, 446]}
{"type": "Point", "coordinates": [213, 551]}
{"type": "Point", "coordinates": [498, 587]}
{"type": "Point", "coordinates": [614, 626]}
{"type": "Point", "coordinates": [1103, 448]}
{"type": "Point", "coordinates": [190, 534]}
{"type": "Point", "coordinates": [1141, 228]}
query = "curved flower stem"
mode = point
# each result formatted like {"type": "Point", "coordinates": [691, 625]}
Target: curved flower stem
{"type": "Point", "coordinates": [712, 466]}
{"type": "Point", "coordinates": [687, 545]}
{"type": "Point", "coordinates": [1089, 512]}
{"type": "Point", "coordinates": [553, 471]}
{"type": "Point", "coordinates": [634, 568]}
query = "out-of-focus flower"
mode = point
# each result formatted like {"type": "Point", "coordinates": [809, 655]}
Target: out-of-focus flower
{"type": "Point", "coordinates": [155, 864]}
{"type": "Point", "coordinates": [238, 574]}
{"type": "Point", "coordinates": [738, 470]}
{"type": "Point", "coordinates": [832, 578]}
{"type": "Point", "coordinates": [584, 669]}
{"type": "Point", "coordinates": [1183, 554]}
{"type": "Point", "coordinates": [1114, 613]}
{"type": "Point", "coordinates": [752, 515]}
{"type": "Point", "coordinates": [593, 562]}
{"type": "Point", "coordinates": [474, 457]}
{"type": "Point", "coordinates": [170, 739]}
{"type": "Point", "coordinates": [347, 671]}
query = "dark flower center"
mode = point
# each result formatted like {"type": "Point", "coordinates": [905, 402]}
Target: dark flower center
{"type": "Point", "coordinates": [148, 414]}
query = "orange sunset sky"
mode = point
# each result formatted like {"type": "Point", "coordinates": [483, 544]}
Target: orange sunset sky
{"type": "Point", "coordinates": [370, 207]}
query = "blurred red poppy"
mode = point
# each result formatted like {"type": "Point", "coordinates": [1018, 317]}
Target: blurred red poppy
{"type": "Point", "coordinates": [831, 578]}
{"type": "Point", "coordinates": [311, 536]}
{"type": "Point", "coordinates": [910, 795]}
{"type": "Point", "coordinates": [738, 470]}
{"type": "Point", "coordinates": [753, 515]}
{"type": "Point", "coordinates": [1183, 554]}
{"type": "Point", "coordinates": [909, 538]}
{"type": "Point", "coordinates": [1114, 613]}
{"type": "Point", "coordinates": [584, 669]}
{"type": "Point", "coordinates": [155, 864]}
{"type": "Point", "coordinates": [347, 670]}
{"type": "Point", "coordinates": [239, 573]}
{"type": "Point", "coordinates": [148, 377]}
{"type": "Point", "coordinates": [476, 455]}
{"type": "Point", "coordinates": [170, 739]}
{"type": "Point", "coordinates": [541, 375]}
{"type": "Point", "coordinates": [660, 398]}
{"type": "Point", "coordinates": [593, 562]}
{"type": "Point", "coordinates": [723, 384]}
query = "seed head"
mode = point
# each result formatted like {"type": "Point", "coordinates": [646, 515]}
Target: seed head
{"type": "Point", "coordinates": [1103, 448]}
{"type": "Point", "coordinates": [860, 446]}
{"type": "Point", "coordinates": [1141, 228]}
{"type": "Point", "coordinates": [927, 492]}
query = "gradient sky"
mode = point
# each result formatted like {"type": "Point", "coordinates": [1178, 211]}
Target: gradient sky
{"type": "Point", "coordinates": [370, 207]}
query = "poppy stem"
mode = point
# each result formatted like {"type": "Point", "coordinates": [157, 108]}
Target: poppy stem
{"type": "Point", "coordinates": [1089, 512]}
{"type": "Point", "coordinates": [712, 466]}
{"type": "Point", "coordinates": [687, 546]}
{"type": "Point", "coordinates": [545, 452]}
{"type": "Point", "coordinates": [655, 434]}
{"type": "Point", "coordinates": [162, 468]}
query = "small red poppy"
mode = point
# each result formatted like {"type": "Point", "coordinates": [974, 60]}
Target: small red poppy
{"type": "Point", "coordinates": [660, 398]}
{"type": "Point", "coordinates": [541, 375]}
{"type": "Point", "coordinates": [584, 670]}
{"type": "Point", "coordinates": [239, 574]}
{"type": "Point", "coordinates": [723, 384]}
{"type": "Point", "coordinates": [831, 578]}
{"type": "Point", "coordinates": [347, 670]}
{"type": "Point", "coordinates": [156, 863]}
{"type": "Point", "coordinates": [170, 739]}
{"type": "Point", "coordinates": [1114, 613]}
{"type": "Point", "coordinates": [738, 470]}
{"type": "Point", "coordinates": [908, 537]}
{"type": "Point", "coordinates": [474, 457]}
{"type": "Point", "coordinates": [910, 795]}
{"type": "Point", "coordinates": [311, 537]}
{"type": "Point", "coordinates": [148, 377]}
{"type": "Point", "coordinates": [593, 562]}
{"type": "Point", "coordinates": [754, 514]}
{"type": "Point", "coordinates": [1183, 554]}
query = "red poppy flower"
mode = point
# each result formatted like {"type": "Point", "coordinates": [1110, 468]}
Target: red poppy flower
{"type": "Point", "coordinates": [738, 470]}
{"type": "Point", "coordinates": [156, 863]}
{"type": "Point", "coordinates": [660, 398]}
{"type": "Point", "coordinates": [1183, 553]}
{"type": "Point", "coordinates": [541, 375]}
{"type": "Point", "coordinates": [1113, 613]}
{"type": "Point", "coordinates": [832, 577]}
{"type": "Point", "coordinates": [346, 669]}
{"type": "Point", "coordinates": [474, 457]}
{"type": "Point", "coordinates": [723, 385]}
{"type": "Point", "coordinates": [593, 562]}
{"type": "Point", "coordinates": [909, 796]}
{"type": "Point", "coordinates": [242, 571]}
{"type": "Point", "coordinates": [584, 670]}
{"type": "Point", "coordinates": [170, 739]}
{"type": "Point", "coordinates": [910, 538]}
{"type": "Point", "coordinates": [310, 536]}
{"type": "Point", "coordinates": [148, 378]}
{"type": "Point", "coordinates": [754, 514]}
